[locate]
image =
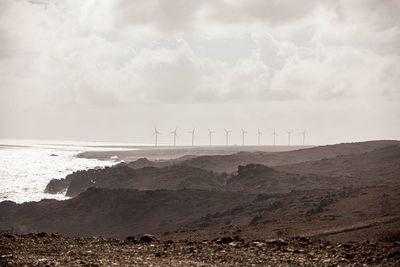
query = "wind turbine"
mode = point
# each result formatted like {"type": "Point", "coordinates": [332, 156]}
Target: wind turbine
{"type": "Point", "coordinates": [155, 134]}
{"type": "Point", "coordinates": [227, 132]}
{"type": "Point", "coordinates": [288, 136]}
{"type": "Point", "coordinates": [210, 132]}
{"type": "Point", "coordinates": [303, 133]}
{"type": "Point", "coordinates": [274, 134]}
{"type": "Point", "coordinates": [243, 133]}
{"type": "Point", "coordinates": [192, 132]}
{"type": "Point", "coordinates": [174, 133]}
{"type": "Point", "coordinates": [259, 133]}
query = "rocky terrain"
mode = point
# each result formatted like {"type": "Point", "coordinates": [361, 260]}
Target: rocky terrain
{"type": "Point", "coordinates": [123, 212]}
{"type": "Point", "coordinates": [329, 195]}
{"type": "Point", "coordinates": [147, 178]}
{"type": "Point", "coordinates": [375, 163]}
{"type": "Point", "coordinates": [381, 165]}
{"type": "Point", "coordinates": [55, 250]}
{"type": "Point", "coordinates": [171, 153]}
{"type": "Point", "coordinates": [229, 162]}
{"type": "Point", "coordinates": [117, 212]}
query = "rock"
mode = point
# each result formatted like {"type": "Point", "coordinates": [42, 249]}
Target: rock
{"type": "Point", "coordinates": [56, 186]}
{"type": "Point", "coordinates": [55, 235]}
{"type": "Point", "coordinates": [131, 239]}
{"type": "Point", "coordinates": [224, 240]}
{"type": "Point", "coordinates": [349, 256]}
{"type": "Point", "coordinates": [148, 238]}
{"type": "Point", "coordinates": [277, 242]}
{"type": "Point", "coordinates": [88, 251]}
{"type": "Point", "coordinates": [303, 240]}
{"type": "Point", "coordinates": [42, 234]}
{"type": "Point", "coordinates": [7, 256]}
{"type": "Point", "coordinates": [395, 253]}
{"type": "Point", "coordinates": [8, 235]}
{"type": "Point", "coordinates": [258, 244]}
{"type": "Point", "coordinates": [252, 170]}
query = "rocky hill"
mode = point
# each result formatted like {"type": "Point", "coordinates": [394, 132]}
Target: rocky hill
{"type": "Point", "coordinates": [236, 202]}
{"type": "Point", "coordinates": [123, 212]}
{"type": "Point", "coordinates": [147, 178]}
{"type": "Point", "coordinates": [260, 179]}
{"type": "Point", "coordinates": [229, 163]}
{"type": "Point", "coordinates": [117, 212]}
{"type": "Point", "coordinates": [377, 166]}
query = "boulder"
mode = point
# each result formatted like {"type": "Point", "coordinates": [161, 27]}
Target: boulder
{"type": "Point", "coordinates": [131, 239]}
{"type": "Point", "coordinates": [148, 238]}
{"type": "Point", "coordinates": [56, 186]}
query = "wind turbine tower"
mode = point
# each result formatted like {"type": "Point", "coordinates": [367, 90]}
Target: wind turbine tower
{"type": "Point", "coordinates": [227, 132]}
{"type": "Point", "coordinates": [259, 133]}
{"type": "Point", "coordinates": [303, 133]}
{"type": "Point", "coordinates": [210, 132]}
{"type": "Point", "coordinates": [274, 134]}
{"type": "Point", "coordinates": [288, 137]}
{"type": "Point", "coordinates": [192, 132]}
{"type": "Point", "coordinates": [174, 134]}
{"type": "Point", "coordinates": [155, 134]}
{"type": "Point", "coordinates": [243, 133]}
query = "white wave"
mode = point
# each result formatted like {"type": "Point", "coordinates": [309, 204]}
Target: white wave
{"type": "Point", "coordinates": [26, 168]}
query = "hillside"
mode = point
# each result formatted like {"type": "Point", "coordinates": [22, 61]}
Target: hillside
{"type": "Point", "coordinates": [147, 178]}
{"type": "Point", "coordinates": [197, 214]}
{"type": "Point", "coordinates": [229, 163]}
{"type": "Point", "coordinates": [117, 212]}
{"type": "Point", "coordinates": [260, 179]}
{"type": "Point", "coordinates": [163, 153]}
{"type": "Point", "coordinates": [252, 178]}
{"type": "Point", "coordinates": [379, 166]}
{"type": "Point", "coordinates": [198, 207]}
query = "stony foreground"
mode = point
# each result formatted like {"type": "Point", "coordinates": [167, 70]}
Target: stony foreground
{"type": "Point", "coordinates": [55, 250]}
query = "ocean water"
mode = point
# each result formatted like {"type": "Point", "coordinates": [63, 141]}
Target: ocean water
{"type": "Point", "coordinates": [27, 166]}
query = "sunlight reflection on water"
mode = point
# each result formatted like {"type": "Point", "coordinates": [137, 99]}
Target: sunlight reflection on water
{"type": "Point", "coordinates": [26, 170]}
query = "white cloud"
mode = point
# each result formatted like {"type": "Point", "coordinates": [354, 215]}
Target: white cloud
{"type": "Point", "coordinates": [70, 54]}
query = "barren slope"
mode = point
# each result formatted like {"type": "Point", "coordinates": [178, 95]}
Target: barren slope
{"type": "Point", "coordinates": [229, 163]}
{"type": "Point", "coordinates": [148, 178]}
{"type": "Point", "coordinates": [380, 166]}
{"type": "Point", "coordinates": [121, 212]}
{"type": "Point", "coordinates": [116, 212]}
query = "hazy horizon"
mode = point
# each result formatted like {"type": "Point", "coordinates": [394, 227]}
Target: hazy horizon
{"type": "Point", "coordinates": [111, 71]}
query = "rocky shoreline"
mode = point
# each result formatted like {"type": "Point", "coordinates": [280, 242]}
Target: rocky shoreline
{"type": "Point", "coordinates": [330, 167]}
{"type": "Point", "coordinates": [244, 209]}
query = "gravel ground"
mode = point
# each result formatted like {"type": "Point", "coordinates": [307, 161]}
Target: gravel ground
{"type": "Point", "coordinates": [55, 250]}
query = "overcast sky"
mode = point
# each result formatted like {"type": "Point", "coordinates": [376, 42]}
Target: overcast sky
{"type": "Point", "coordinates": [111, 70]}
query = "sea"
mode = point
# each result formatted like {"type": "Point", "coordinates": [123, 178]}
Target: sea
{"type": "Point", "coordinates": [26, 166]}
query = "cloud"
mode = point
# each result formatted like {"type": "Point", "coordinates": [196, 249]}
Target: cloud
{"type": "Point", "coordinates": [81, 44]}
{"type": "Point", "coordinates": [166, 16]}
{"type": "Point", "coordinates": [74, 55]}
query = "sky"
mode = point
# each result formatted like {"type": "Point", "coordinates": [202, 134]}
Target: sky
{"type": "Point", "coordinates": [112, 70]}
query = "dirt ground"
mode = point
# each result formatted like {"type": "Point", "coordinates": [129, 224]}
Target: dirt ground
{"type": "Point", "coordinates": [55, 250]}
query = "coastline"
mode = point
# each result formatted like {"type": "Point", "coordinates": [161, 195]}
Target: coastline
{"type": "Point", "coordinates": [171, 152]}
{"type": "Point", "coordinates": [307, 201]}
